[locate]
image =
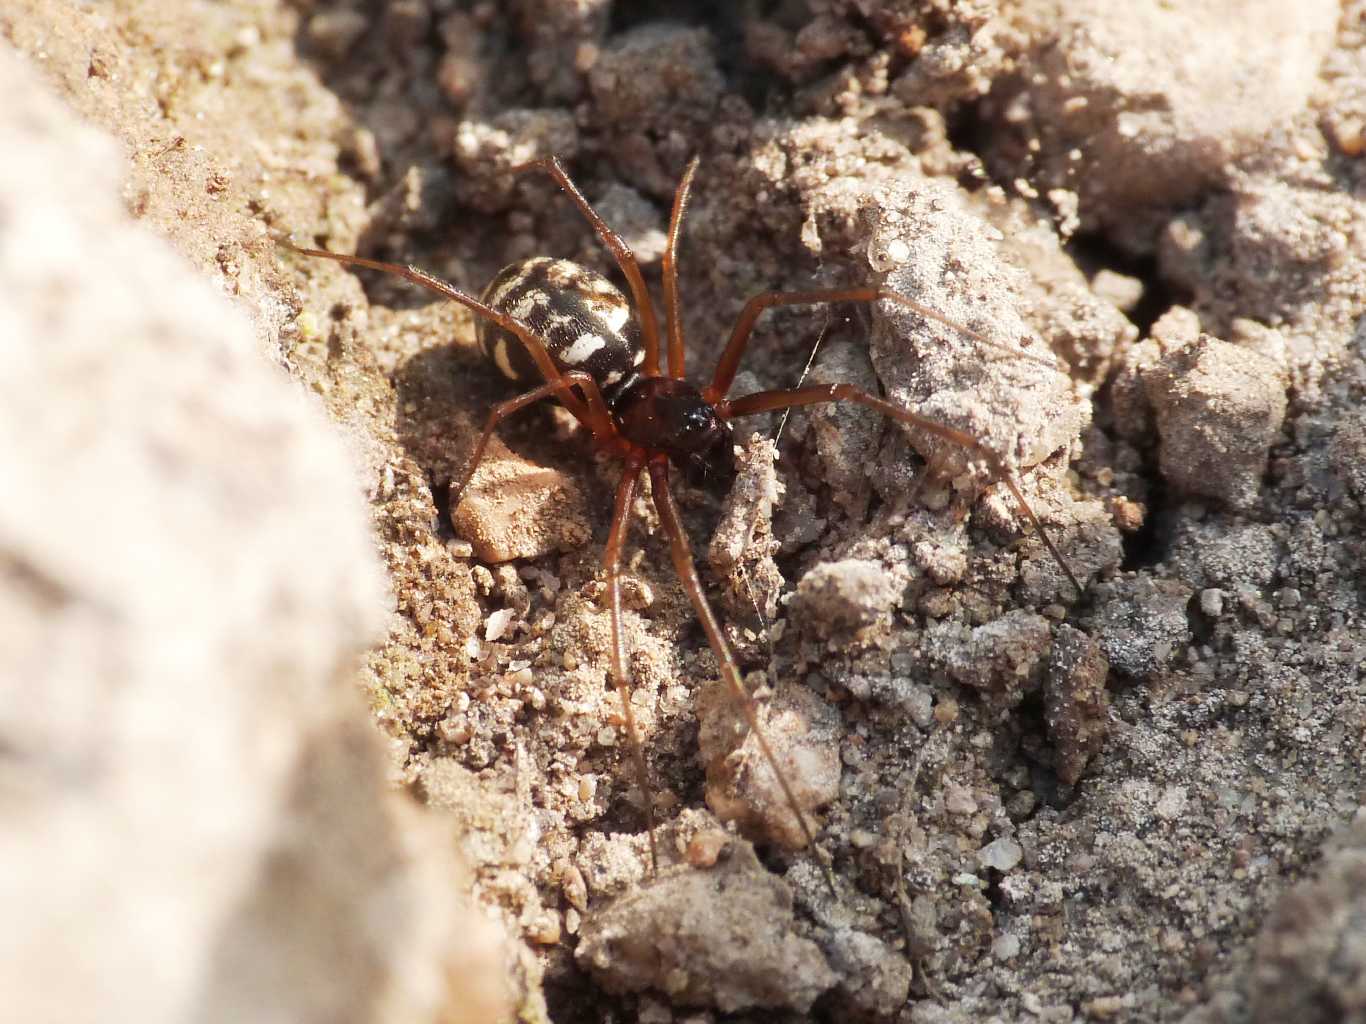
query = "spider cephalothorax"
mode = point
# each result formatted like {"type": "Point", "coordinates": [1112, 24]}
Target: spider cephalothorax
{"type": "Point", "coordinates": [672, 416]}
{"type": "Point", "coordinates": [567, 327]}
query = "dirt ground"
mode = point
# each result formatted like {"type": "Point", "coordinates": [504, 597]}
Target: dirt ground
{"type": "Point", "coordinates": [1142, 803]}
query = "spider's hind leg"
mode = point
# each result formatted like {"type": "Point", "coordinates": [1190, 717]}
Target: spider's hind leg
{"type": "Point", "coordinates": [611, 563]}
{"type": "Point", "coordinates": [681, 552]}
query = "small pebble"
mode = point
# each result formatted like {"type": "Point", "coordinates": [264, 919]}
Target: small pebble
{"type": "Point", "coordinates": [496, 624]}
{"type": "Point", "coordinates": [704, 849]}
{"type": "Point", "coordinates": [1002, 854]}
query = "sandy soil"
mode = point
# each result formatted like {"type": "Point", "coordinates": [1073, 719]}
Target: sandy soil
{"type": "Point", "coordinates": [1138, 805]}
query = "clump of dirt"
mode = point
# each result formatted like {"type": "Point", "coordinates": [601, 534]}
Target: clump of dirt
{"type": "Point", "coordinates": [723, 937]}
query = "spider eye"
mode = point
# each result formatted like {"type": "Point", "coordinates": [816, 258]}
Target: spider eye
{"type": "Point", "coordinates": [696, 420]}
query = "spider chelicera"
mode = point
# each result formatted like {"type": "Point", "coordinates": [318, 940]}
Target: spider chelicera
{"type": "Point", "coordinates": [573, 329]}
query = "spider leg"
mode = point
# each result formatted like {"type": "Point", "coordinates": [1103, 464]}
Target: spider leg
{"type": "Point", "coordinates": [672, 315]}
{"type": "Point", "coordinates": [611, 560]}
{"type": "Point", "coordinates": [501, 411]}
{"type": "Point", "coordinates": [686, 568]}
{"type": "Point", "coordinates": [767, 401]}
{"type": "Point", "coordinates": [591, 411]}
{"type": "Point", "coordinates": [626, 259]}
{"type": "Point", "coordinates": [729, 362]}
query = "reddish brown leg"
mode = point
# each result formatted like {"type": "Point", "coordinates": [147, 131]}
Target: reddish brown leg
{"type": "Point", "coordinates": [591, 411]}
{"type": "Point", "coordinates": [767, 401]}
{"type": "Point", "coordinates": [626, 259]}
{"type": "Point", "coordinates": [501, 411]}
{"type": "Point", "coordinates": [684, 566]}
{"type": "Point", "coordinates": [744, 326]}
{"type": "Point", "coordinates": [672, 315]}
{"type": "Point", "coordinates": [611, 560]}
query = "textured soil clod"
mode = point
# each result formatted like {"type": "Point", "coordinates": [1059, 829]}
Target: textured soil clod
{"type": "Point", "coordinates": [1216, 407]}
{"type": "Point", "coordinates": [741, 786]}
{"type": "Point", "coordinates": [722, 937]}
{"type": "Point", "coordinates": [1142, 625]}
{"type": "Point", "coordinates": [515, 509]}
{"type": "Point", "coordinates": [1011, 394]}
{"type": "Point", "coordinates": [1076, 702]}
{"type": "Point", "coordinates": [1003, 658]}
{"type": "Point", "coordinates": [874, 979]}
{"type": "Point", "coordinates": [742, 545]}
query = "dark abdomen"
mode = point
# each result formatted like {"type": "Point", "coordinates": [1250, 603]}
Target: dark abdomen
{"type": "Point", "coordinates": [584, 321]}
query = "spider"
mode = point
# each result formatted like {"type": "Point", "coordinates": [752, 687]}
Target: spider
{"type": "Point", "coordinates": [576, 330]}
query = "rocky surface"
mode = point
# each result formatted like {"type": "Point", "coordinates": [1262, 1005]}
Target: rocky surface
{"type": "Point", "coordinates": [1147, 217]}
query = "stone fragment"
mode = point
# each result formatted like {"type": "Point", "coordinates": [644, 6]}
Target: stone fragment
{"type": "Point", "coordinates": [1003, 658]}
{"type": "Point", "coordinates": [723, 937]}
{"type": "Point", "coordinates": [516, 509]}
{"type": "Point", "coordinates": [1006, 388]}
{"type": "Point", "coordinates": [742, 545]}
{"type": "Point", "coordinates": [1002, 854]}
{"type": "Point", "coordinates": [1141, 624]}
{"type": "Point", "coordinates": [487, 151]}
{"type": "Point", "coordinates": [1076, 704]}
{"type": "Point", "coordinates": [802, 731]}
{"type": "Point", "coordinates": [843, 597]}
{"type": "Point", "coordinates": [1218, 407]}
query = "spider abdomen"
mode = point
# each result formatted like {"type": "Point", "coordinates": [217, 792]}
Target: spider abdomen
{"type": "Point", "coordinates": [584, 321]}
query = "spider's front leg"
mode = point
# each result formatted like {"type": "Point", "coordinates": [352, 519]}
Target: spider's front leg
{"type": "Point", "coordinates": [729, 363]}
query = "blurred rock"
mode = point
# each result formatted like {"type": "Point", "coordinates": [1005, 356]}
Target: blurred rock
{"type": "Point", "coordinates": [196, 823]}
{"type": "Point", "coordinates": [1311, 954]}
{"type": "Point", "coordinates": [486, 151]}
{"type": "Point", "coordinates": [1154, 99]}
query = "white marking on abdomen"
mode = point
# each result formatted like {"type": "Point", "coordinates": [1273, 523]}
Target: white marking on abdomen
{"type": "Point", "coordinates": [582, 350]}
{"type": "Point", "coordinates": [615, 316]}
{"type": "Point", "coordinates": [527, 304]}
{"type": "Point", "coordinates": [500, 358]}
{"type": "Point", "coordinates": [496, 298]}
